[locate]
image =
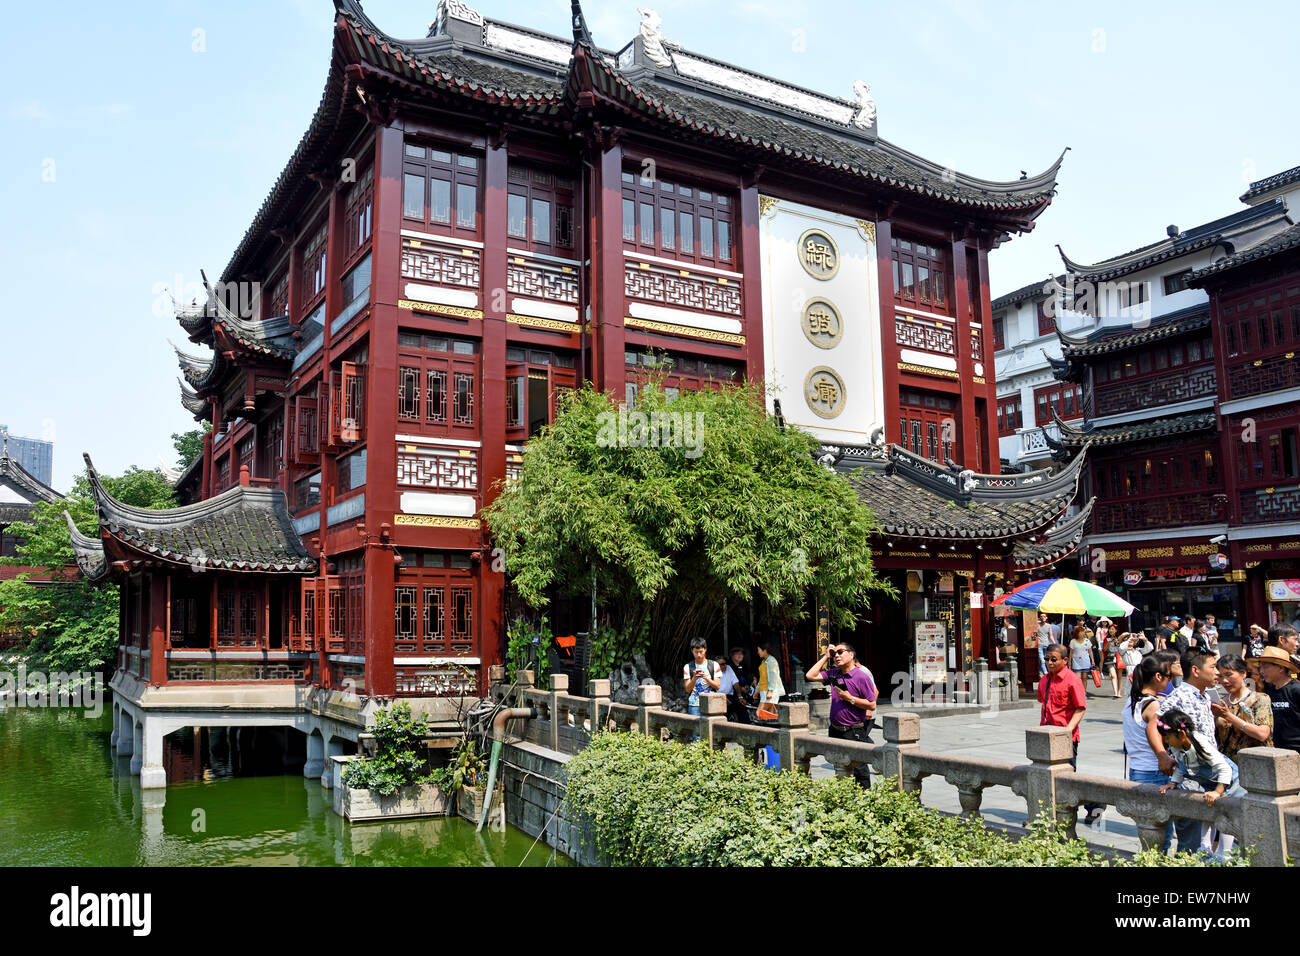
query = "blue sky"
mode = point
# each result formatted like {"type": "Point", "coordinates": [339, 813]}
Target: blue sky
{"type": "Point", "coordinates": [137, 150]}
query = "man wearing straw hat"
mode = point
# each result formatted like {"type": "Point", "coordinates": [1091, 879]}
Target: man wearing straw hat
{"type": "Point", "coordinates": [1279, 671]}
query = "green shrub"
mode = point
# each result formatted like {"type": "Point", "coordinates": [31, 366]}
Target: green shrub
{"type": "Point", "coordinates": [397, 762]}
{"type": "Point", "coordinates": [661, 804]}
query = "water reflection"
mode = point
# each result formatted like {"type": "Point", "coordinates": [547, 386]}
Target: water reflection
{"type": "Point", "coordinates": [232, 799]}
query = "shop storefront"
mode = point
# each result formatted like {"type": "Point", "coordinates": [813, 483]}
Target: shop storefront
{"type": "Point", "coordinates": [1283, 595]}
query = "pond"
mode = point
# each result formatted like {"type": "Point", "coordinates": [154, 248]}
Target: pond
{"type": "Point", "coordinates": [67, 800]}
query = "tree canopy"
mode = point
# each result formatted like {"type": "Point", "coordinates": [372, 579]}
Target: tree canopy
{"type": "Point", "coordinates": [70, 624]}
{"type": "Point", "coordinates": [685, 501]}
{"type": "Point", "coordinates": [189, 445]}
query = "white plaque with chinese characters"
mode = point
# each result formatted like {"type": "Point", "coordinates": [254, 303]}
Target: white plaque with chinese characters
{"type": "Point", "coordinates": [821, 321]}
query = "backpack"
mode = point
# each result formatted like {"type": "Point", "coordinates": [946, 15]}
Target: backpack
{"type": "Point", "coordinates": [711, 669]}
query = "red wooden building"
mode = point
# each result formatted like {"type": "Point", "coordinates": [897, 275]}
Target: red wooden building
{"type": "Point", "coordinates": [480, 218]}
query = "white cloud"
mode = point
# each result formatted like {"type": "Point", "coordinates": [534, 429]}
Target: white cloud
{"type": "Point", "coordinates": [31, 110]}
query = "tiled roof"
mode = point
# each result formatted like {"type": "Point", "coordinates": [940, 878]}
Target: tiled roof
{"type": "Point", "coordinates": [915, 498]}
{"type": "Point", "coordinates": [1117, 340]}
{"type": "Point", "coordinates": [1282, 242]}
{"type": "Point", "coordinates": [199, 372]}
{"type": "Point", "coordinates": [1035, 290]}
{"type": "Point", "coordinates": [1261, 186]}
{"type": "Point", "coordinates": [26, 485]}
{"type": "Point", "coordinates": [1219, 232]}
{"type": "Point", "coordinates": [528, 80]}
{"type": "Point", "coordinates": [243, 529]}
{"type": "Point", "coordinates": [194, 404]}
{"type": "Point", "coordinates": [88, 551]}
{"type": "Point", "coordinates": [1072, 438]}
{"type": "Point", "coordinates": [1059, 542]}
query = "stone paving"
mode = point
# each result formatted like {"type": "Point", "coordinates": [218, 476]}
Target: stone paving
{"type": "Point", "coordinates": [1001, 736]}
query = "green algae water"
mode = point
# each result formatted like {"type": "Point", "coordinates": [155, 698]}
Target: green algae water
{"type": "Point", "coordinates": [67, 800]}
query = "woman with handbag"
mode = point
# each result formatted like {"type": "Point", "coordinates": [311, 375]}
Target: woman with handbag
{"type": "Point", "coordinates": [1108, 636]}
{"type": "Point", "coordinates": [1082, 656]}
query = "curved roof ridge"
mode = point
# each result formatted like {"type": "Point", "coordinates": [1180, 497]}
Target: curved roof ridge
{"type": "Point", "coordinates": [13, 469]}
{"type": "Point", "coordinates": [88, 552]}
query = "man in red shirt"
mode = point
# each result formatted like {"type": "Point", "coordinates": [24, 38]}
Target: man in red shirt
{"type": "Point", "coordinates": [1064, 701]}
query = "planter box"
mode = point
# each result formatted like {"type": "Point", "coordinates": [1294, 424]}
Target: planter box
{"type": "Point", "coordinates": [469, 802]}
{"type": "Point", "coordinates": [358, 805]}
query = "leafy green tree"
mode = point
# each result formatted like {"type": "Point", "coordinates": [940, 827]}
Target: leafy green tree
{"type": "Point", "coordinates": [736, 507]}
{"type": "Point", "coordinates": [69, 624]}
{"type": "Point", "coordinates": [189, 445]}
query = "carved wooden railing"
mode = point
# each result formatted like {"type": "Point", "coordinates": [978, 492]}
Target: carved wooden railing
{"type": "Point", "coordinates": [1265, 819]}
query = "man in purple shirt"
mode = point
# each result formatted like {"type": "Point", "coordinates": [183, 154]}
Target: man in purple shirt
{"type": "Point", "coordinates": [853, 698]}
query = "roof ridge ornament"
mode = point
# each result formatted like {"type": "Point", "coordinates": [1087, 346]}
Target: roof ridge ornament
{"type": "Point", "coordinates": [653, 43]}
{"type": "Point", "coordinates": [865, 117]}
{"type": "Point", "coordinates": [457, 9]}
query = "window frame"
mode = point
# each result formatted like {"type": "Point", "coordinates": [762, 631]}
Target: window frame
{"type": "Point", "coordinates": [915, 253]}
{"type": "Point", "coordinates": [457, 174]}
{"type": "Point", "coordinates": [681, 198]}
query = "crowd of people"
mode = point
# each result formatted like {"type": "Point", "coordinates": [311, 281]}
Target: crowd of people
{"type": "Point", "coordinates": [754, 689]}
{"type": "Point", "coordinates": [1189, 711]}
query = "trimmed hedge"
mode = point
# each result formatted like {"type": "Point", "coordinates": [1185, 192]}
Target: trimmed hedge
{"type": "Point", "coordinates": [663, 804]}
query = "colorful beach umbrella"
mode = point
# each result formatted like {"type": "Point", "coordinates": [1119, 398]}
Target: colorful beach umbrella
{"type": "Point", "coordinates": [1064, 596]}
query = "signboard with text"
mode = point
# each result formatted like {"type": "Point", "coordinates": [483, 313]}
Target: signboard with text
{"type": "Point", "coordinates": [931, 638]}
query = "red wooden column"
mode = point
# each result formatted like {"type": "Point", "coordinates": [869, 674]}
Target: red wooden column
{"type": "Point", "coordinates": [205, 486]}
{"type": "Point", "coordinates": [159, 598]}
{"type": "Point", "coordinates": [750, 264]}
{"type": "Point", "coordinates": [979, 286]}
{"type": "Point", "coordinates": [966, 430]}
{"type": "Point", "coordinates": [888, 342]}
{"type": "Point", "coordinates": [490, 621]}
{"type": "Point", "coordinates": [608, 307]}
{"type": "Point", "coordinates": [381, 410]}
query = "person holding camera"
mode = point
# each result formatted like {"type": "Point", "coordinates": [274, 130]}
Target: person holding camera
{"type": "Point", "coordinates": [853, 698]}
{"type": "Point", "coordinates": [700, 676]}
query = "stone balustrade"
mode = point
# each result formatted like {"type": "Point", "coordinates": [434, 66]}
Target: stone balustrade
{"type": "Point", "coordinates": [1266, 818]}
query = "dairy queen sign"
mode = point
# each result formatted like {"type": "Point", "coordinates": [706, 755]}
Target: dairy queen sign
{"type": "Point", "coordinates": [1132, 577]}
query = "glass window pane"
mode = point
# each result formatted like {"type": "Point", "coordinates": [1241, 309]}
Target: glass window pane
{"type": "Point", "coordinates": [923, 282]}
{"type": "Point", "coordinates": [413, 196]}
{"type": "Point", "coordinates": [416, 151]}
{"type": "Point", "coordinates": [647, 224]}
{"type": "Point", "coordinates": [688, 232]}
{"type": "Point", "coordinates": [440, 156]}
{"type": "Point", "coordinates": [518, 216]}
{"type": "Point", "coordinates": [466, 205]}
{"type": "Point", "coordinates": [706, 236]}
{"type": "Point", "coordinates": [440, 201]}
{"type": "Point", "coordinates": [469, 162]}
{"type": "Point", "coordinates": [629, 220]}
{"type": "Point", "coordinates": [724, 238]}
{"type": "Point", "coordinates": [908, 287]}
{"type": "Point", "coordinates": [667, 230]}
{"type": "Point", "coordinates": [541, 221]}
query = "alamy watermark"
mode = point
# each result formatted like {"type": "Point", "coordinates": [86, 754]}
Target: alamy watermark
{"type": "Point", "coordinates": [625, 429]}
{"type": "Point", "coordinates": [33, 689]}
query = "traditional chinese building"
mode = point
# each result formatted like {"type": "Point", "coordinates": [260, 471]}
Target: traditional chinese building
{"type": "Point", "coordinates": [1189, 518]}
{"type": "Point", "coordinates": [20, 493]}
{"type": "Point", "coordinates": [478, 219]}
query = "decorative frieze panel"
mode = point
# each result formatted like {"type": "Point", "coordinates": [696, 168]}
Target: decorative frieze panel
{"type": "Point", "coordinates": [682, 289]}
{"type": "Point", "coordinates": [209, 671]}
{"type": "Point", "coordinates": [438, 264]}
{"type": "Point", "coordinates": [925, 334]}
{"type": "Point", "coordinates": [1264, 375]}
{"type": "Point", "coordinates": [542, 280]}
{"type": "Point", "coordinates": [438, 680]}
{"type": "Point", "coordinates": [444, 469]}
{"type": "Point", "coordinates": [1146, 513]}
{"type": "Point", "coordinates": [1172, 387]}
{"type": "Point", "coordinates": [1270, 504]}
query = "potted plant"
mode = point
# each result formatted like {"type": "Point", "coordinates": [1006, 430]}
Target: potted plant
{"type": "Point", "coordinates": [395, 781]}
{"type": "Point", "coordinates": [461, 778]}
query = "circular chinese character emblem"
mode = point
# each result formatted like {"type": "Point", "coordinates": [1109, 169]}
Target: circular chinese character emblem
{"type": "Point", "coordinates": [821, 323]}
{"type": "Point", "coordinates": [824, 392]}
{"type": "Point", "coordinates": [818, 254]}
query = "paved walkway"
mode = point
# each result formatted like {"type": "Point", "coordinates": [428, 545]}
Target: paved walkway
{"type": "Point", "coordinates": [1001, 736]}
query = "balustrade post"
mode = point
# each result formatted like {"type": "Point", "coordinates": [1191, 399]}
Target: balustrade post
{"type": "Point", "coordinates": [982, 688]}
{"type": "Point", "coordinates": [559, 688]}
{"type": "Point", "coordinates": [791, 720]}
{"type": "Point", "coordinates": [1013, 669]}
{"type": "Point", "coordinates": [713, 707]}
{"type": "Point", "coordinates": [1271, 777]}
{"type": "Point", "coordinates": [902, 735]}
{"type": "Point", "coordinates": [1049, 750]}
{"type": "Point", "coordinates": [648, 697]}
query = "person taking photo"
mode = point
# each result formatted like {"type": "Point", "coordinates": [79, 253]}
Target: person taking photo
{"type": "Point", "coordinates": [853, 698]}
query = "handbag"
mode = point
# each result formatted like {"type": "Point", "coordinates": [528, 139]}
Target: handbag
{"type": "Point", "coordinates": [766, 711]}
{"type": "Point", "coordinates": [1096, 677]}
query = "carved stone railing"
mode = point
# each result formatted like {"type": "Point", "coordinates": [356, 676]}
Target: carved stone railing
{"type": "Point", "coordinates": [1266, 819]}
{"type": "Point", "coordinates": [1033, 441]}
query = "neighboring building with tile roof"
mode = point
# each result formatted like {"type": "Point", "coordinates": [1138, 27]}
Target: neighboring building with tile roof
{"type": "Point", "coordinates": [1190, 411]}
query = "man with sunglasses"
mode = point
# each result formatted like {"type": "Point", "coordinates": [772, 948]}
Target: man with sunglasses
{"type": "Point", "coordinates": [853, 698]}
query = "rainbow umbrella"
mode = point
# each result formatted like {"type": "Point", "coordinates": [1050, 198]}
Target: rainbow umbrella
{"type": "Point", "coordinates": [1064, 596]}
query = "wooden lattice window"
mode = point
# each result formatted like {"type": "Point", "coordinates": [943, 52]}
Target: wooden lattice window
{"type": "Point", "coordinates": [433, 609]}
{"type": "Point", "coordinates": [313, 265]}
{"type": "Point", "coordinates": [304, 418]}
{"type": "Point", "coordinates": [277, 302]}
{"type": "Point", "coordinates": [336, 616]}
{"type": "Point", "coordinates": [440, 189]}
{"type": "Point", "coordinates": [305, 639]}
{"type": "Point", "coordinates": [226, 634]}
{"type": "Point", "coordinates": [437, 380]}
{"type": "Point", "coordinates": [920, 274]}
{"type": "Point", "coordinates": [358, 213]}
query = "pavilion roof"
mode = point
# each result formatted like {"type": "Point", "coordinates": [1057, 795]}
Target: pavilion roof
{"type": "Point", "coordinates": [26, 485]}
{"type": "Point", "coordinates": [1285, 241]}
{"type": "Point", "coordinates": [539, 78]}
{"type": "Point", "coordinates": [916, 498]}
{"type": "Point", "coordinates": [1060, 541]}
{"type": "Point", "coordinates": [242, 529]}
{"type": "Point", "coordinates": [1073, 438]}
{"type": "Point", "coordinates": [89, 552]}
